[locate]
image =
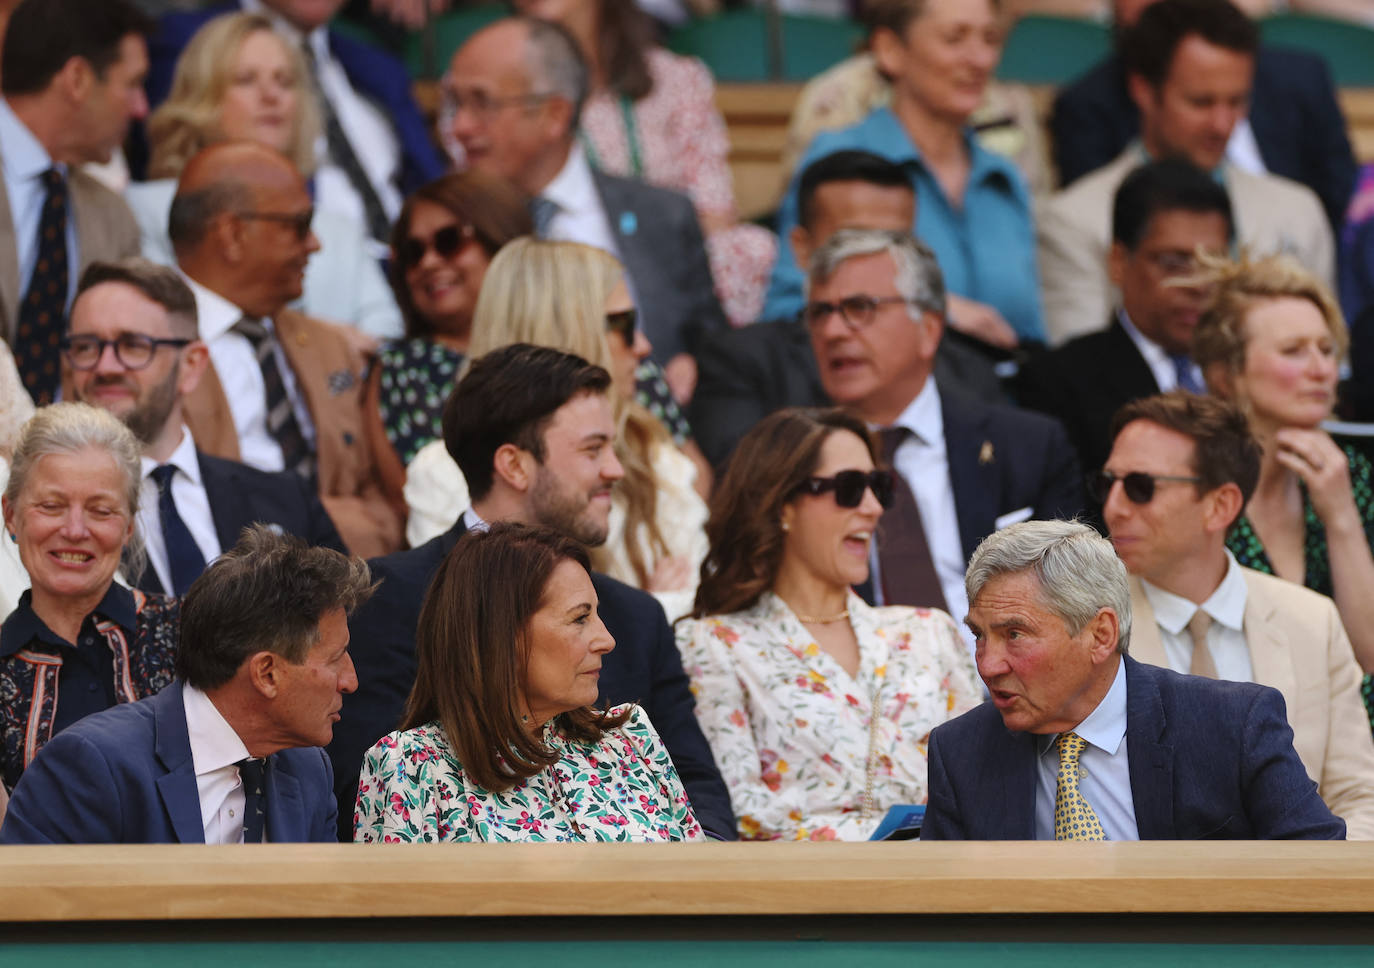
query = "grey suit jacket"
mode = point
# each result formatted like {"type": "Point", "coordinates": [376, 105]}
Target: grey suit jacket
{"type": "Point", "coordinates": [661, 245]}
{"type": "Point", "coordinates": [105, 230]}
{"type": "Point", "coordinates": [1299, 647]}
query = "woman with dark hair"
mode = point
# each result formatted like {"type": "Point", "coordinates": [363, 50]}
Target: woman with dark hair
{"type": "Point", "coordinates": [500, 741]}
{"type": "Point", "coordinates": [442, 242]}
{"type": "Point", "coordinates": [816, 705]}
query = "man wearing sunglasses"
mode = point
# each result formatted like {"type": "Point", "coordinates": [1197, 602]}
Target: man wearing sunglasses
{"type": "Point", "coordinates": [132, 348]}
{"type": "Point", "coordinates": [1180, 472]}
{"type": "Point", "coordinates": [283, 390]}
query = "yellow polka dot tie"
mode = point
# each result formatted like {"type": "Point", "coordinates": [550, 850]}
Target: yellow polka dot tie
{"type": "Point", "coordinates": [1073, 816]}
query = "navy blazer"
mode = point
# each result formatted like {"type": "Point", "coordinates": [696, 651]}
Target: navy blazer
{"type": "Point", "coordinates": [1293, 110]}
{"type": "Point", "coordinates": [644, 667]}
{"type": "Point", "coordinates": [1208, 759]}
{"type": "Point", "coordinates": [125, 776]}
{"type": "Point", "coordinates": [374, 73]}
{"type": "Point", "coordinates": [240, 495]}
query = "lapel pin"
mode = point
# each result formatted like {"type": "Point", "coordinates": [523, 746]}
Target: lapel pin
{"type": "Point", "coordinates": [985, 455]}
{"type": "Point", "coordinates": [629, 223]}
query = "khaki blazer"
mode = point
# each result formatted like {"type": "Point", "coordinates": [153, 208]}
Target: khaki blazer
{"type": "Point", "coordinates": [105, 231]}
{"type": "Point", "coordinates": [1074, 235]}
{"type": "Point", "coordinates": [329, 373]}
{"type": "Point", "coordinates": [1299, 647]}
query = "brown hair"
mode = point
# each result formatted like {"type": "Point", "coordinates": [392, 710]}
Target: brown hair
{"type": "Point", "coordinates": [1224, 452]}
{"type": "Point", "coordinates": [625, 35]}
{"type": "Point", "coordinates": [745, 526]}
{"type": "Point", "coordinates": [161, 284]}
{"type": "Point", "coordinates": [472, 651]}
{"type": "Point", "coordinates": [1237, 287]}
{"type": "Point", "coordinates": [496, 210]}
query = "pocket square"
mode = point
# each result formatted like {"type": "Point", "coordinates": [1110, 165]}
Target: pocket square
{"type": "Point", "coordinates": [1012, 517]}
{"type": "Point", "coordinates": [341, 381]}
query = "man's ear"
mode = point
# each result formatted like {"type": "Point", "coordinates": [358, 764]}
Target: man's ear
{"type": "Point", "coordinates": [1141, 91]}
{"type": "Point", "coordinates": [1104, 631]}
{"type": "Point", "coordinates": [75, 79]}
{"type": "Point", "coordinates": [800, 240]}
{"type": "Point", "coordinates": [195, 360]}
{"type": "Point", "coordinates": [514, 466]}
{"type": "Point", "coordinates": [226, 233]}
{"type": "Point", "coordinates": [1224, 505]}
{"type": "Point", "coordinates": [264, 673]}
{"type": "Point", "coordinates": [558, 115]}
{"type": "Point", "coordinates": [1116, 263]}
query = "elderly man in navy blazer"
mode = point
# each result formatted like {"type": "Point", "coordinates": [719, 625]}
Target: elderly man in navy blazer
{"type": "Point", "coordinates": [229, 752]}
{"type": "Point", "coordinates": [1080, 742]}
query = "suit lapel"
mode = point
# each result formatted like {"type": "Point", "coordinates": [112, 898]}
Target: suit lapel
{"type": "Point", "coordinates": [1128, 369]}
{"type": "Point", "coordinates": [1151, 762]}
{"type": "Point", "coordinates": [1146, 645]}
{"type": "Point", "coordinates": [9, 266]}
{"type": "Point", "coordinates": [285, 815]}
{"type": "Point", "coordinates": [1271, 659]}
{"type": "Point", "coordinates": [172, 745]}
{"type": "Point", "coordinates": [226, 504]}
{"type": "Point", "coordinates": [975, 499]}
{"type": "Point", "coordinates": [1011, 786]}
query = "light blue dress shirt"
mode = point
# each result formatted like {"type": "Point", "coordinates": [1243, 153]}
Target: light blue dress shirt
{"type": "Point", "coordinates": [25, 161]}
{"type": "Point", "coordinates": [1105, 771]}
{"type": "Point", "coordinates": [986, 248]}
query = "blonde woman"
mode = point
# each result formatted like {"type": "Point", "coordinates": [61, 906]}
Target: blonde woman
{"type": "Point", "coordinates": [573, 298]}
{"type": "Point", "coordinates": [238, 80]}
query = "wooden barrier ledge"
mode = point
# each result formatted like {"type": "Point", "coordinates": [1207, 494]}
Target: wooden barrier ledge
{"type": "Point", "coordinates": [76, 884]}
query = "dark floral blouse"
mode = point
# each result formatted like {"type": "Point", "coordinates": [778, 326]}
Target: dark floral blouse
{"type": "Point", "coordinates": [417, 376]}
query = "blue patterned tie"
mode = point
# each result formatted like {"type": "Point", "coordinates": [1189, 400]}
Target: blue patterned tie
{"type": "Point", "coordinates": [1187, 375]}
{"type": "Point", "coordinates": [542, 211]}
{"type": "Point", "coordinates": [253, 774]}
{"type": "Point", "coordinates": [43, 311]}
{"type": "Point", "coordinates": [184, 558]}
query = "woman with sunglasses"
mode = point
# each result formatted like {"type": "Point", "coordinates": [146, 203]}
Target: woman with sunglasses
{"type": "Point", "coordinates": [817, 706]}
{"type": "Point", "coordinates": [573, 298]}
{"type": "Point", "coordinates": [443, 240]}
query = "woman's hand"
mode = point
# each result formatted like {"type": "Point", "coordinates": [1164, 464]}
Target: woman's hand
{"type": "Point", "coordinates": [980, 321]}
{"type": "Point", "coordinates": [671, 574]}
{"type": "Point", "coordinates": [680, 373]}
{"type": "Point", "coordinates": [1325, 471]}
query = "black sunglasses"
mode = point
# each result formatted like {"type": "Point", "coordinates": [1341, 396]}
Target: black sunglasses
{"type": "Point", "coordinates": [849, 487]}
{"type": "Point", "coordinates": [623, 323]}
{"type": "Point", "coordinates": [446, 242]}
{"type": "Point", "coordinates": [299, 222]}
{"type": "Point", "coordinates": [1138, 486]}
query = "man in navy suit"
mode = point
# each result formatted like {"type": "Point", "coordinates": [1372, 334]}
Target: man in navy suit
{"type": "Point", "coordinates": [229, 752]}
{"type": "Point", "coordinates": [1080, 742]}
{"type": "Point", "coordinates": [132, 349]}
{"type": "Point", "coordinates": [364, 89]}
{"type": "Point", "coordinates": [532, 432]}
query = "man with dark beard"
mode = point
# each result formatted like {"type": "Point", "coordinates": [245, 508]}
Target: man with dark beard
{"type": "Point", "coordinates": [133, 349]}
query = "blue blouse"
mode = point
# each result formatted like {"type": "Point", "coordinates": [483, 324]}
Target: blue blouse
{"type": "Point", "coordinates": [986, 249]}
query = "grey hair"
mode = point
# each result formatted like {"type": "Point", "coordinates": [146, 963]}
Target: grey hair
{"type": "Point", "coordinates": [556, 64]}
{"type": "Point", "coordinates": [919, 280]}
{"type": "Point", "coordinates": [1078, 571]}
{"type": "Point", "coordinates": [67, 428]}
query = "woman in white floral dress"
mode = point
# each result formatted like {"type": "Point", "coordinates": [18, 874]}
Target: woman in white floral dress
{"type": "Point", "coordinates": [817, 706]}
{"type": "Point", "coordinates": [500, 741]}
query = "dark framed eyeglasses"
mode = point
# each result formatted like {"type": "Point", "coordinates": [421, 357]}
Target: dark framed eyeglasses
{"type": "Point", "coordinates": [857, 310]}
{"type": "Point", "coordinates": [299, 222]}
{"type": "Point", "coordinates": [849, 487]}
{"type": "Point", "coordinates": [446, 243]}
{"type": "Point", "coordinates": [623, 324]}
{"type": "Point", "coordinates": [134, 351]}
{"type": "Point", "coordinates": [1138, 486]}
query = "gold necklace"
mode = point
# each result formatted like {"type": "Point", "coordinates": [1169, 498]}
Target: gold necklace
{"type": "Point", "coordinates": [824, 620]}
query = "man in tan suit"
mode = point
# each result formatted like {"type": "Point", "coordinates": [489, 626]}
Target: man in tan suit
{"type": "Point", "coordinates": [73, 80]}
{"type": "Point", "coordinates": [1189, 67]}
{"type": "Point", "coordinates": [284, 391]}
{"type": "Point", "coordinates": [1180, 471]}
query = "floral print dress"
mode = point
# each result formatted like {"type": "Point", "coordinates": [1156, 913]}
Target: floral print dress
{"type": "Point", "coordinates": [791, 730]}
{"type": "Point", "coordinates": [623, 788]}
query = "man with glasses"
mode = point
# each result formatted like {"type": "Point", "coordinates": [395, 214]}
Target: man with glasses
{"type": "Point", "coordinates": [1163, 213]}
{"type": "Point", "coordinates": [1179, 473]}
{"type": "Point", "coordinates": [876, 314]}
{"type": "Point", "coordinates": [132, 348]}
{"type": "Point", "coordinates": [283, 391]}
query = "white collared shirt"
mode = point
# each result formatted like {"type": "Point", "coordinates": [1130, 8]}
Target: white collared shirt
{"type": "Point", "coordinates": [1243, 150]}
{"type": "Point", "coordinates": [923, 463]}
{"type": "Point", "coordinates": [1225, 637]}
{"type": "Point", "coordinates": [215, 753]}
{"type": "Point", "coordinates": [193, 507]}
{"type": "Point", "coordinates": [1155, 356]}
{"type": "Point", "coordinates": [366, 127]}
{"type": "Point", "coordinates": [236, 365]}
{"type": "Point", "coordinates": [580, 217]}
{"type": "Point", "coordinates": [473, 521]}
{"type": "Point", "coordinates": [25, 160]}
{"type": "Point", "coordinates": [1104, 768]}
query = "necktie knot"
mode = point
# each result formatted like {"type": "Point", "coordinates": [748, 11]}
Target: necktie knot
{"type": "Point", "coordinates": [1202, 663]}
{"type": "Point", "coordinates": [1185, 372]}
{"type": "Point", "coordinates": [54, 180]}
{"type": "Point", "coordinates": [252, 329]}
{"type": "Point", "coordinates": [542, 211]}
{"type": "Point", "coordinates": [1070, 749]}
{"type": "Point", "coordinates": [162, 475]}
{"type": "Point", "coordinates": [890, 438]}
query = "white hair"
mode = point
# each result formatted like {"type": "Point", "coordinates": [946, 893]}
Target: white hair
{"type": "Point", "coordinates": [918, 278]}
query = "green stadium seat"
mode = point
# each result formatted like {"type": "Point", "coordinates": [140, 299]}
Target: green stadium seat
{"type": "Point", "coordinates": [1348, 47]}
{"type": "Point", "coordinates": [447, 33]}
{"type": "Point", "coordinates": [735, 45]}
{"type": "Point", "coordinates": [1052, 50]}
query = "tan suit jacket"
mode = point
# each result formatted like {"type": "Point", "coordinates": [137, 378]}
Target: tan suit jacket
{"type": "Point", "coordinates": [1074, 235]}
{"type": "Point", "coordinates": [1299, 647]}
{"type": "Point", "coordinates": [329, 373]}
{"type": "Point", "coordinates": [105, 231]}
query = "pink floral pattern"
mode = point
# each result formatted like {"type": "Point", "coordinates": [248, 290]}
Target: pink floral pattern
{"type": "Point", "coordinates": [414, 790]}
{"type": "Point", "coordinates": [790, 728]}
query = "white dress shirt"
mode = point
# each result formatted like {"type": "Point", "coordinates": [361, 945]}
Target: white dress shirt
{"type": "Point", "coordinates": [25, 160]}
{"type": "Point", "coordinates": [1243, 150]}
{"type": "Point", "coordinates": [1225, 637]}
{"type": "Point", "coordinates": [1155, 356]}
{"type": "Point", "coordinates": [580, 216]}
{"type": "Point", "coordinates": [922, 462]}
{"type": "Point", "coordinates": [215, 753]}
{"type": "Point", "coordinates": [193, 507]}
{"type": "Point", "coordinates": [1104, 769]}
{"type": "Point", "coordinates": [236, 365]}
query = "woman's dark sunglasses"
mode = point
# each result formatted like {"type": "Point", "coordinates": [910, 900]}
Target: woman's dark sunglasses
{"type": "Point", "coordinates": [1138, 486]}
{"type": "Point", "coordinates": [849, 487]}
{"type": "Point", "coordinates": [623, 323]}
{"type": "Point", "coordinates": [446, 242]}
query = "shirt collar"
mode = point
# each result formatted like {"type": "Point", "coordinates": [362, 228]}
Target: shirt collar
{"type": "Point", "coordinates": [925, 416]}
{"type": "Point", "coordinates": [1105, 726]}
{"type": "Point", "coordinates": [215, 314]}
{"type": "Point", "coordinates": [1218, 173]}
{"type": "Point", "coordinates": [184, 458]}
{"type": "Point", "coordinates": [889, 139]}
{"type": "Point", "coordinates": [24, 157]}
{"type": "Point", "coordinates": [214, 744]}
{"type": "Point", "coordinates": [1152, 351]}
{"type": "Point", "coordinates": [572, 189]}
{"type": "Point", "coordinates": [24, 626]}
{"type": "Point", "coordinates": [1226, 605]}
{"type": "Point", "coordinates": [318, 38]}
{"type": "Point", "coordinates": [474, 521]}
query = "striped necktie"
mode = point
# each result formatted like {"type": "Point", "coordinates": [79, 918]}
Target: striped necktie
{"type": "Point", "coordinates": [281, 418]}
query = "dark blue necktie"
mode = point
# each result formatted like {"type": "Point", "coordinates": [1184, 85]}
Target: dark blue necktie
{"type": "Point", "coordinates": [43, 311]}
{"type": "Point", "coordinates": [253, 775]}
{"type": "Point", "coordinates": [184, 558]}
{"type": "Point", "coordinates": [542, 211]}
{"type": "Point", "coordinates": [1183, 369]}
